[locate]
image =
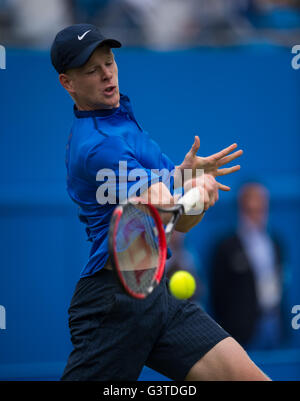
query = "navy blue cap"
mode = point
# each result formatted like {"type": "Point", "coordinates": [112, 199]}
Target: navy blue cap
{"type": "Point", "coordinates": [73, 46]}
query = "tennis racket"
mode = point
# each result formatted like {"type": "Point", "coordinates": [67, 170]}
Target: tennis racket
{"type": "Point", "coordinates": [138, 241]}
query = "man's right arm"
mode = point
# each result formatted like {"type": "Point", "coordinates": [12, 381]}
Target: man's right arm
{"type": "Point", "coordinates": [110, 151]}
{"type": "Point", "coordinates": [159, 195]}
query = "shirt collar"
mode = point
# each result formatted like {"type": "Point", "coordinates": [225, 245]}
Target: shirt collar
{"type": "Point", "coordinates": [124, 100]}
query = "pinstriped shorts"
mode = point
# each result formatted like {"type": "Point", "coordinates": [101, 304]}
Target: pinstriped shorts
{"type": "Point", "coordinates": [114, 335]}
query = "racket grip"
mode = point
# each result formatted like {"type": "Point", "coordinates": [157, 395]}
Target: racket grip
{"type": "Point", "coordinates": [190, 199]}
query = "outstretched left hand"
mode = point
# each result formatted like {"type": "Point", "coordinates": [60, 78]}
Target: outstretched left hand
{"type": "Point", "coordinates": [211, 164]}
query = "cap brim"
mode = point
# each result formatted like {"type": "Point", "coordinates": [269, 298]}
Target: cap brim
{"type": "Point", "coordinates": [83, 57]}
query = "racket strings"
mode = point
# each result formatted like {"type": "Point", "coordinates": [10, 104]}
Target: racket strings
{"type": "Point", "coordinates": [137, 247]}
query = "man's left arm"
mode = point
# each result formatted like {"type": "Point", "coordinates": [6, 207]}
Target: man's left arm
{"type": "Point", "coordinates": [209, 165]}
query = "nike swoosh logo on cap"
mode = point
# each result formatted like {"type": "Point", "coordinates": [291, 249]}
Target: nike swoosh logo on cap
{"type": "Point", "coordinates": [82, 36]}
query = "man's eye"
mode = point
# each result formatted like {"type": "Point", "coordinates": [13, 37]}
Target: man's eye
{"type": "Point", "coordinates": [91, 72]}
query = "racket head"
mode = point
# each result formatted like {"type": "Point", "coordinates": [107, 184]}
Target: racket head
{"type": "Point", "coordinates": [137, 247]}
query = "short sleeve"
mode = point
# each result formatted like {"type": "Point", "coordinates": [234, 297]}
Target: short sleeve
{"type": "Point", "coordinates": [117, 173]}
{"type": "Point", "coordinates": [168, 166]}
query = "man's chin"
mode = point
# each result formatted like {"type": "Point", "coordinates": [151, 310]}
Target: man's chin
{"type": "Point", "coordinates": [112, 103]}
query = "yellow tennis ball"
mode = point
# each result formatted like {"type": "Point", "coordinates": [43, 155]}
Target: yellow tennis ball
{"type": "Point", "coordinates": [182, 284]}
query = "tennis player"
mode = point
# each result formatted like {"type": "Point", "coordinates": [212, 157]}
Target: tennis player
{"type": "Point", "coordinates": [115, 335]}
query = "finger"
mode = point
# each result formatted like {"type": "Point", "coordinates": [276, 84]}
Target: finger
{"type": "Point", "coordinates": [229, 170]}
{"type": "Point", "coordinates": [222, 153]}
{"type": "Point", "coordinates": [211, 184]}
{"type": "Point", "coordinates": [211, 187]}
{"type": "Point", "coordinates": [216, 192]}
{"type": "Point", "coordinates": [206, 200]}
{"type": "Point", "coordinates": [216, 195]}
{"type": "Point", "coordinates": [223, 187]}
{"type": "Point", "coordinates": [196, 146]}
{"type": "Point", "coordinates": [213, 198]}
{"type": "Point", "coordinates": [229, 158]}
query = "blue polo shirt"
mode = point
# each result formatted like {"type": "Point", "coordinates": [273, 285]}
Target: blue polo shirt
{"type": "Point", "coordinates": [109, 158]}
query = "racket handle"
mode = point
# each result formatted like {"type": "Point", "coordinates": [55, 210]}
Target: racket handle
{"type": "Point", "coordinates": [190, 199]}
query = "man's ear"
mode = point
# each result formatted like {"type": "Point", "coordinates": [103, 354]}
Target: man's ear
{"type": "Point", "coordinates": [67, 82]}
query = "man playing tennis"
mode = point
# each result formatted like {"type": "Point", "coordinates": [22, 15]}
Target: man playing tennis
{"type": "Point", "coordinates": [114, 335]}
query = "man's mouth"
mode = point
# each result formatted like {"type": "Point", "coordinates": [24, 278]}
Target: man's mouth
{"type": "Point", "coordinates": [110, 90]}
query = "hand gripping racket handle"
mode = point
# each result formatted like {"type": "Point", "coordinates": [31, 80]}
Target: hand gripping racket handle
{"type": "Point", "coordinates": [190, 199]}
{"type": "Point", "coordinates": [187, 202]}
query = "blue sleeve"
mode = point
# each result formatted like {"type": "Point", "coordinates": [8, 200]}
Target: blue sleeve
{"type": "Point", "coordinates": [167, 164]}
{"type": "Point", "coordinates": [114, 167]}
{"type": "Point", "coordinates": [150, 155]}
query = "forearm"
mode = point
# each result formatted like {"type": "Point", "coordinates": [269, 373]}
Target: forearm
{"type": "Point", "coordinates": [187, 222]}
{"type": "Point", "coordinates": [159, 195]}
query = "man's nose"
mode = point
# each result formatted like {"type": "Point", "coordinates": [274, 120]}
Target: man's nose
{"type": "Point", "coordinates": [106, 74]}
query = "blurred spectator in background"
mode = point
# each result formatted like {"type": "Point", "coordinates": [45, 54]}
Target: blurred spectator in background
{"type": "Point", "coordinates": [275, 14]}
{"type": "Point", "coordinates": [173, 24]}
{"type": "Point", "coordinates": [89, 11]}
{"type": "Point", "coordinates": [182, 259]}
{"type": "Point", "coordinates": [33, 22]}
{"type": "Point", "coordinates": [151, 23]}
{"type": "Point", "coordinates": [246, 281]}
{"type": "Point", "coordinates": [164, 25]}
{"type": "Point", "coordinates": [276, 20]}
{"type": "Point", "coordinates": [222, 22]}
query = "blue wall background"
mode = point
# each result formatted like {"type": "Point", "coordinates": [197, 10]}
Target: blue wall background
{"type": "Point", "coordinates": [248, 95]}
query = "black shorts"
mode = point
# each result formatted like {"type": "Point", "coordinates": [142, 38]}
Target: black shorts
{"type": "Point", "coordinates": [115, 335]}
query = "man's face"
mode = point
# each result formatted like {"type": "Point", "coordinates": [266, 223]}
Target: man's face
{"type": "Point", "coordinates": [95, 85]}
{"type": "Point", "coordinates": [254, 204]}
